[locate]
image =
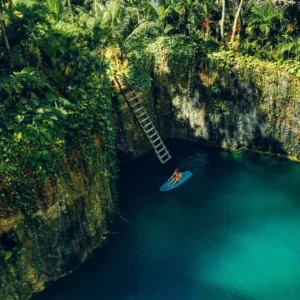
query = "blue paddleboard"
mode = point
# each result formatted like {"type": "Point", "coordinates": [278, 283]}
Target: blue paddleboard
{"type": "Point", "coordinates": [185, 176]}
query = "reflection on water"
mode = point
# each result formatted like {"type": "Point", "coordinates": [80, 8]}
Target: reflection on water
{"type": "Point", "coordinates": [231, 232]}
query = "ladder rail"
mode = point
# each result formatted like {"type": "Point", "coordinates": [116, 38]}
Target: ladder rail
{"type": "Point", "coordinates": [124, 95]}
{"type": "Point", "coordinates": [152, 134]}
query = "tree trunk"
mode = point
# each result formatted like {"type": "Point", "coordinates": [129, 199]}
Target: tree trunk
{"type": "Point", "coordinates": [236, 21]}
{"type": "Point", "coordinates": [70, 7]}
{"type": "Point", "coordinates": [2, 24]}
{"type": "Point", "coordinates": [223, 19]}
{"type": "Point", "coordinates": [5, 36]}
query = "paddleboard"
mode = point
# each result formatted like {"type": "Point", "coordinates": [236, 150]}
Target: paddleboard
{"type": "Point", "coordinates": [185, 176]}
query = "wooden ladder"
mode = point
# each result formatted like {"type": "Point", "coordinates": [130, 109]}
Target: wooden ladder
{"type": "Point", "coordinates": [133, 100]}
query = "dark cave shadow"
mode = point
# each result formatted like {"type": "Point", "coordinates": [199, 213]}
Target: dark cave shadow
{"type": "Point", "coordinates": [240, 123]}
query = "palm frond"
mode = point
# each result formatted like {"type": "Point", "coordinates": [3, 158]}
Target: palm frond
{"type": "Point", "coordinates": [56, 7]}
{"type": "Point", "coordinates": [142, 29]}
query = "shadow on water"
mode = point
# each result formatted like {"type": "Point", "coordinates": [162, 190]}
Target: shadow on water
{"type": "Point", "coordinates": [229, 233]}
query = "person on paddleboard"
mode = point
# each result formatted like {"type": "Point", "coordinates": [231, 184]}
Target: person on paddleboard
{"type": "Point", "coordinates": [175, 177]}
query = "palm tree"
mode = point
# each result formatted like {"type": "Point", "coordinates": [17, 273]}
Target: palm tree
{"type": "Point", "coordinates": [265, 20]}
{"type": "Point", "coordinates": [124, 23]}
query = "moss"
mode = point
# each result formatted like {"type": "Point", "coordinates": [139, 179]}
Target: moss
{"type": "Point", "coordinates": [68, 220]}
{"type": "Point", "coordinates": [233, 101]}
{"type": "Point", "coordinates": [227, 100]}
{"type": "Point", "coordinates": [249, 68]}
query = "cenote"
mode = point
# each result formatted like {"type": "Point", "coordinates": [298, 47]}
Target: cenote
{"type": "Point", "coordinates": [231, 232]}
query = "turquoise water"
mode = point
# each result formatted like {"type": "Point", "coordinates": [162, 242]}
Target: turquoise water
{"type": "Point", "coordinates": [231, 232]}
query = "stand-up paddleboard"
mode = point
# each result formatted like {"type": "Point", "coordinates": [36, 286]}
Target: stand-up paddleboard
{"type": "Point", "coordinates": [184, 177]}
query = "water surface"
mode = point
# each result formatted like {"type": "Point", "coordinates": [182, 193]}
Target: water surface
{"type": "Point", "coordinates": [231, 232]}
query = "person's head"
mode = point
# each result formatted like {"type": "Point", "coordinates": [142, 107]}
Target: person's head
{"type": "Point", "coordinates": [176, 171]}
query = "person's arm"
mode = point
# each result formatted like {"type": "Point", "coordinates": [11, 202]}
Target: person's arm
{"type": "Point", "coordinates": [172, 176]}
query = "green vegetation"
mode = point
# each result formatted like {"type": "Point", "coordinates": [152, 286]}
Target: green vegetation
{"type": "Point", "coordinates": [57, 107]}
{"type": "Point", "coordinates": [54, 90]}
{"type": "Point", "coordinates": [57, 57]}
{"type": "Point", "coordinates": [174, 36]}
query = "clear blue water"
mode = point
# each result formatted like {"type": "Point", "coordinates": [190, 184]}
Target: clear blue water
{"type": "Point", "coordinates": [231, 232]}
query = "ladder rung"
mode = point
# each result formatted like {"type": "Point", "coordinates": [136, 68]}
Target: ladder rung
{"type": "Point", "coordinates": [155, 141]}
{"type": "Point", "coordinates": [118, 82]}
{"type": "Point", "coordinates": [139, 109]}
{"type": "Point", "coordinates": [119, 88]}
{"type": "Point", "coordinates": [136, 104]}
{"type": "Point", "coordinates": [144, 120]}
{"type": "Point", "coordinates": [132, 99]}
{"type": "Point", "coordinates": [164, 161]}
{"type": "Point", "coordinates": [147, 125]}
{"type": "Point", "coordinates": [144, 113]}
{"type": "Point", "coordinates": [161, 143]}
{"type": "Point", "coordinates": [167, 153]}
{"type": "Point", "coordinates": [149, 130]}
{"type": "Point", "coordinates": [161, 150]}
{"type": "Point", "coordinates": [129, 94]}
{"type": "Point", "coordinates": [157, 148]}
{"type": "Point", "coordinates": [168, 157]}
{"type": "Point", "coordinates": [150, 137]}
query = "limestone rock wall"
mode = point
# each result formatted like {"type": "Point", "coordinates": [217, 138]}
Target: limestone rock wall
{"type": "Point", "coordinates": [70, 219]}
{"type": "Point", "coordinates": [230, 110]}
